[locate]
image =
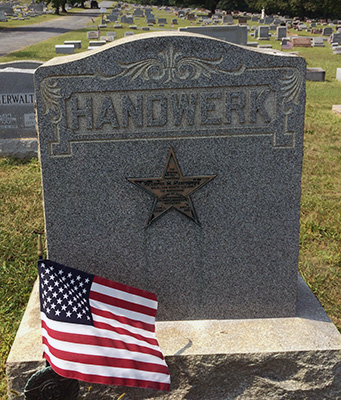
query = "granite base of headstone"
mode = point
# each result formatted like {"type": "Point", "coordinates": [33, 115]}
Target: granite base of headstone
{"type": "Point", "coordinates": [180, 157]}
{"type": "Point", "coordinates": [19, 148]}
{"type": "Point", "coordinates": [294, 358]}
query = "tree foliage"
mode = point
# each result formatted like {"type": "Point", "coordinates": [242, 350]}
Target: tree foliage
{"type": "Point", "coordinates": [60, 4]}
{"type": "Point", "coordinates": [300, 8]}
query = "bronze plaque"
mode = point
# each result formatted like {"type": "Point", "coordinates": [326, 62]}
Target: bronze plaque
{"type": "Point", "coordinates": [172, 190]}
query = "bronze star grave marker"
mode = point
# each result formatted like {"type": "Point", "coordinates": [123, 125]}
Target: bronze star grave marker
{"type": "Point", "coordinates": [172, 190]}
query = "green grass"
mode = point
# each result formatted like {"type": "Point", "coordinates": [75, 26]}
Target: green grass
{"type": "Point", "coordinates": [20, 214]}
{"type": "Point", "coordinates": [320, 236]}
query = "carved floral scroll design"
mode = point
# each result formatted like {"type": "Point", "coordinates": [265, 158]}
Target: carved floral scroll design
{"type": "Point", "coordinates": [50, 92]}
{"type": "Point", "coordinates": [291, 85]}
{"type": "Point", "coordinates": [172, 66]}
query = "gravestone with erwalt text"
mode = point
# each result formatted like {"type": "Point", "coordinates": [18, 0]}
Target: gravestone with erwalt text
{"type": "Point", "coordinates": [172, 162]}
{"type": "Point", "coordinates": [17, 103]}
{"type": "Point", "coordinates": [18, 136]}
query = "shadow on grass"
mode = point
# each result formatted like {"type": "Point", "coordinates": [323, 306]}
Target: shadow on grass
{"type": "Point", "coordinates": [10, 161]}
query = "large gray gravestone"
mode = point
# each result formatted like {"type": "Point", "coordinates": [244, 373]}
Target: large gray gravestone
{"type": "Point", "coordinates": [215, 131]}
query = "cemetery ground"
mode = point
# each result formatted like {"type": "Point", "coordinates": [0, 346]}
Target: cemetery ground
{"type": "Point", "coordinates": [36, 20]}
{"type": "Point", "coordinates": [21, 210]}
{"type": "Point", "coordinates": [17, 34]}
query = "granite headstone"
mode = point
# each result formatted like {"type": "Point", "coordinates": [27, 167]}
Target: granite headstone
{"type": "Point", "coordinates": [229, 33]}
{"type": "Point", "coordinates": [2, 16]}
{"type": "Point", "coordinates": [338, 74]}
{"type": "Point", "coordinates": [315, 74]}
{"type": "Point", "coordinates": [172, 162]}
{"type": "Point", "coordinates": [227, 20]}
{"type": "Point", "coordinates": [335, 38]}
{"type": "Point", "coordinates": [7, 8]}
{"type": "Point", "coordinates": [318, 42]}
{"type": "Point", "coordinates": [327, 31]}
{"type": "Point", "coordinates": [281, 32]}
{"type": "Point", "coordinates": [17, 103]}
{"type": "Point", "coordinates": [263, 33]}
{"type": "Point", "coordinates": [301, 41]}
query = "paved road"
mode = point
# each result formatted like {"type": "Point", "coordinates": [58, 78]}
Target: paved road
{"type": "Point", "coordinates": [17, 38]}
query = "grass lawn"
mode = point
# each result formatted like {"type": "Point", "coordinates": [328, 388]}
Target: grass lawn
{"type": "Point", "coordinates": [21, 210]}
{"type": "Point", "coordinates": [15, 23]}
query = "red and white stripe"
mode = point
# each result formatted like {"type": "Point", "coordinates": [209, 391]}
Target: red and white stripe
{"type": "Point", "coordinates": [120, 349]}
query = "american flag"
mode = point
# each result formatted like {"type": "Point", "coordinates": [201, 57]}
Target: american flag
{"type": "Point", "coordinates": [99, 331]}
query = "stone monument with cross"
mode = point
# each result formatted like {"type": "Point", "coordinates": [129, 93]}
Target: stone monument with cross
{"type": "Point", "coordinates": [172, 163]}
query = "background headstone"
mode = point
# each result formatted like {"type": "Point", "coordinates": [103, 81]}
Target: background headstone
{"type": "Point", "coordinates": [315, 74]}
{"type": "Point", "coordinates": [336, 38]}
{"type": "Point", "coordinates": [92, 35]}
{"type": "Point", "coordinates": [227, 20]}
{"type": "Point", "coordinates": [7, 8]}
{"type": "Point", "coordinates": [327, 31]}
{"type": "Point", "coordinates": [2, 16]}
{"type": "Point", "coordinates": [301, 41]}
{"type": "Point", "coordinates": [229, 33]}
{"type": "Point", "coordinates": [17, 103]}
{"type": "Point", "coordinates": [281, 32]}
{"type": "Point", "coordinates": [318, 42]}
{"type": "Point", "coordinates": [338, 74]}
{"type": "Point", "coordinates": [263, 32]}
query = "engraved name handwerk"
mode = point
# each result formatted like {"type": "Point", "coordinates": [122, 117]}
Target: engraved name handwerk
{"type": "Point", "coordinates": [172, 66]}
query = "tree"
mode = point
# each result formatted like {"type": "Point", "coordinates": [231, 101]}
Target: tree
{"type": "Point", "coordinates": [56, 4]}
{"type": "Point", "coordinates": [299, 8]}
{"type": "Point", "coordinates": [230, 5]}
